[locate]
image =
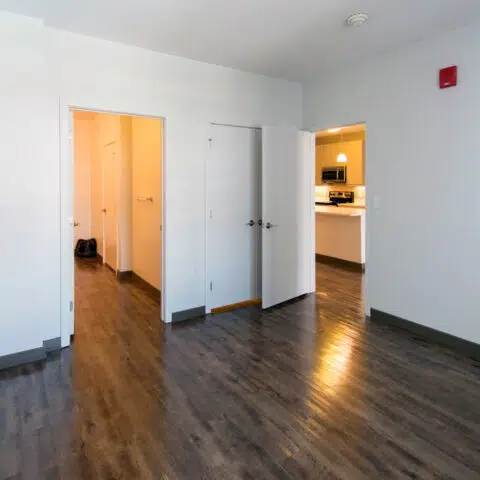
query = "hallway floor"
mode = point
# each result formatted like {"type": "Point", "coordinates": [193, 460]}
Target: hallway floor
{"type": "Point", "coordinates": [307, 390]}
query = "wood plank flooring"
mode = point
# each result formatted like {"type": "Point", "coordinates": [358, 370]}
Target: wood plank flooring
{"type": "Point", "coordinates": [308, 390]}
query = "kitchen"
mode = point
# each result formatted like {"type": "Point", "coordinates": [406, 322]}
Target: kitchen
{"type": "Point", "coordinates": [340, 197]}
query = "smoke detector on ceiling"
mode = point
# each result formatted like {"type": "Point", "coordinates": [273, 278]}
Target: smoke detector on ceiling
{"type": "Point", "coordinates": [356, 20]}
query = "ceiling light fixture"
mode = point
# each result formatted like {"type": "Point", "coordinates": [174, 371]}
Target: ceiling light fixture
{"type": "Point", "coordinates": [333, 130]}
{"type": "Point", "coordinates": [356, 20]}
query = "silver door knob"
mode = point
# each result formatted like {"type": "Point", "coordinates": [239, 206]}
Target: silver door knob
{"type": "Point", "coordinates": [251, 223]}
{"type": "Point", "coordinates": [269, 225]}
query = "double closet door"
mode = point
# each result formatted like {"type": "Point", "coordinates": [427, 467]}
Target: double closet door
{"type": "Point", "coordinates": [260, 215]}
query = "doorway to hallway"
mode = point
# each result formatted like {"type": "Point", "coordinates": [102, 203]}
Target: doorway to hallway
{"type": "Point", "coordinates": [118, 195]}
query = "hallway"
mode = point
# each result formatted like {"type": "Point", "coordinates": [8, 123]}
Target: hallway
{"type": "Point", "coordinates": [307, 390]}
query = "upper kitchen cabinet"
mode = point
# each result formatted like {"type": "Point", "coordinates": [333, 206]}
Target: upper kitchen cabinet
{"type": "Point", "coordinates": [352, 144]}
{"type": "Point", "coordinates": [325, 157]}
{"type": "Point", "coordinates": [354, 152]}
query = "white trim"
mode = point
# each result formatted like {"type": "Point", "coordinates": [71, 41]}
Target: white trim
{"type": "Point", "coordinates": [66, 195]}
{"type": "Point", "coordinates": [208, 307]}
{"type": "Point", "coordinates": [313, 270]}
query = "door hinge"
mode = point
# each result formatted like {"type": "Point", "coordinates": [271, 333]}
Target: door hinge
{"type": "Point", "coordinates": [210, 142]}
{"type": "Point", "coordinates": [70, 134]}
{"type": "Point", "coordinates": [211, 286]}
{"type": "Point", "coordinates": [71, 306]}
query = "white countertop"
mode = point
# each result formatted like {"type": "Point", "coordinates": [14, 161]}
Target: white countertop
{"type": "Point", "coordinates": [343, 205]}
{"type": "Point", "coordinates": [339, 211]}
{"type": "Point", "coordinates": [353, 205]}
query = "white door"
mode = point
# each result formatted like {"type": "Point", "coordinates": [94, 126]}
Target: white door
{"type": "Point", "coordinates": [288, 213]}
{"type": "Point", "coordinates": [233, 207]}
{"type": "Point", "coordinates": [110, 196]}
{"type": "Point", "coordinates": [82, 175]}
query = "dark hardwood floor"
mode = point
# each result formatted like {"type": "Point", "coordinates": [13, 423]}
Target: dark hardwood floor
{"type": "Point", "coordinates": [307, 390]}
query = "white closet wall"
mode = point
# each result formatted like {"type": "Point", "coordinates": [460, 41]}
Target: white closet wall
{"type": "Point", "coordinates": [147, 136]}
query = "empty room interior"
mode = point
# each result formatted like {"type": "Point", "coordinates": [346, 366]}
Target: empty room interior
{"type": "Point", "coordinates": [239, 255]}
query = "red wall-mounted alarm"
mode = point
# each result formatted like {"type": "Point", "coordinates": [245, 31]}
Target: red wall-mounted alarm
{"type": "Point", "coordinates": [448, 77]}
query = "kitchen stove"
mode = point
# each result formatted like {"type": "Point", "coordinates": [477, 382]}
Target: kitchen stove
{"type": "Point", "coordinates": [337, 198]}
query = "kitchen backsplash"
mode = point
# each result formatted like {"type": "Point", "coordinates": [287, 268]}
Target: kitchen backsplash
{"type": "Point", "coordinates": [321, 193]}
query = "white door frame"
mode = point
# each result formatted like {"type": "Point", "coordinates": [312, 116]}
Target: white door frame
{"type": "Point", "coordinates": [67, 182]}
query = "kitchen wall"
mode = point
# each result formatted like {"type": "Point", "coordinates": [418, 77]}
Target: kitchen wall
{"type": "Point", "coordinates": [422, 245]}
{"type": "Point", "coordinates": [43, 71]}
{"type": "Point", "coordinates": [351, 142]}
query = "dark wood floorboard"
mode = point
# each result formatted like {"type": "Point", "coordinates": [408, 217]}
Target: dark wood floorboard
{"type": "Point", "coordinates": [308, 390]}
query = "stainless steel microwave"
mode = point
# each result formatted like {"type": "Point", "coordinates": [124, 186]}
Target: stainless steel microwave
{"type": "Point", "coordinates": [334, 175]}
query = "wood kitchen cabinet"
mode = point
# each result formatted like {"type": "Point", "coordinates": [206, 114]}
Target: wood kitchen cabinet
{"type": "Point", "coordinates": [326, 156]}
{"type": "Point", "coordinates": [355, 171]}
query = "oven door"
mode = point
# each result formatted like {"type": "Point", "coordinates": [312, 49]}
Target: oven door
{"type": "Point", "coordinates": [329, 175]}
{"type": "Point", "coordinates": [334, 175]}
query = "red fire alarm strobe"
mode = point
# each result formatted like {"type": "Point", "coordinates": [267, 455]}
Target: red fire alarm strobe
{"type": "Point", "coordinates": [448, 77]}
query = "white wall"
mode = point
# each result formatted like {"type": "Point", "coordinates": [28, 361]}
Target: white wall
{"type": "Point", "coordinates": [423, 164]}
{"type": "Point", "coordinates": [29, 189]}
{"type": "Point", "coordinates": [147, 136]}
{"type": "Point", "coordinates": [82, 157]}
{"type": "Point", "coordinates": [44, 70]}
{"type": "Point", "coordinates": [189, 95]}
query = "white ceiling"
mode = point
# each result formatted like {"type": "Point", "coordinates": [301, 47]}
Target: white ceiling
{"type": "Point", "coordinates": [292, 39]}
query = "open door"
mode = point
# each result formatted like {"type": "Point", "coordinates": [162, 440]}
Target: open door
{"type": "Point", "coordinates": [288, 214]}
{"type": "Point", "coordinates": [110, 199]}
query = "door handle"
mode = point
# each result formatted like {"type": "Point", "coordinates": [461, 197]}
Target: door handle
{"type": "Point", "coordinates": [104, 210]}
{"type": "Point", "coordinates": [76, 224]}
{"type": "Point", "coordinates": [251, 223]}
{"type": "Point", "coordinates": [269, 225]}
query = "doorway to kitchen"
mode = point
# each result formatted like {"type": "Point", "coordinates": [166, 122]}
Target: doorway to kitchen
{"type": "Point", "coordinates": [340, 211]}
{"type": "Point", "coordinates": [117, 212]}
